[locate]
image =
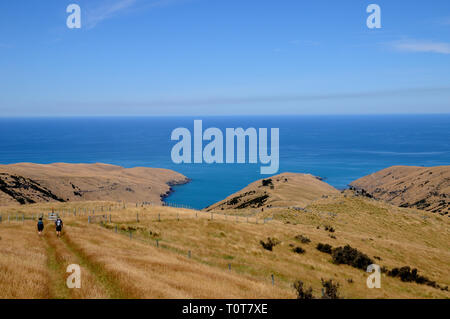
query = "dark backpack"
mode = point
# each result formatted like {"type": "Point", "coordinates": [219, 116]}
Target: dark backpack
{"type": "Point", "coordinates": [58, 222]}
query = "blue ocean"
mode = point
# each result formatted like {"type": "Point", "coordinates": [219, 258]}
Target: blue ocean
{"type": "Point", "coordinates": [339, 149]}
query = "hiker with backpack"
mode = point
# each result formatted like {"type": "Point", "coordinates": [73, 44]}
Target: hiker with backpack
{"type": "Point", "coordinates": [40, 226]}
{"type": "Point", "coordinates": [59, 226]}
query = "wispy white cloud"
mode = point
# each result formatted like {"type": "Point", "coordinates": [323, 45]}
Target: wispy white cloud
{"type": "Point", "coordinates": [421, 46]}
{"type": "Point", "coordinates": [238, 100]}
{"type": "Point", "coordinates": [106, 11]}
{"type": "Point", "coordinates": [110, 9]}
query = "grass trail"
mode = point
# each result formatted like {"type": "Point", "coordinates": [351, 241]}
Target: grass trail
{"type": "Point", "coordinates": [103, 277]}
{"type": "Point", "coordinates": [60, 255]}
{"type": "Point", "coordinates": [56, 269]}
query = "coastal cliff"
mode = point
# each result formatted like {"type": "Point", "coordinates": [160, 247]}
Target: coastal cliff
{"type": "Point", "coordinates": [426, 188]}
{"type": "Point", "coordinates": [283, 190]}
{"type": "Point", "coordinates": [28, 183]}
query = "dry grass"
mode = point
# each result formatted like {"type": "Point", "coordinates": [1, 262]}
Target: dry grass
{"type": "Point", "coordinates": [58, 182]}
{"type": "Point", "coordinates": [283, 190]}
{"type": "Point", "coordinates": [112, 266]}
{"type": "Point", "coordinates": [144, 271]}
{"type": "Point", "coordinates": [124, 268]}
{"type": "Point", "coordinates": [23, 263]}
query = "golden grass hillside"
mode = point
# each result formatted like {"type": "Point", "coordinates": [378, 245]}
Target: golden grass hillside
{"type": "Point", "coordinates": [283, 190]}
{"type": "Point", "coordinates": [27, 183]}
{"type": "Point", "coordinates": [113, 266]}
{"type": "Point", "coordinates": [179, 253]}
{"type": "Point", "coordinates": [425, 188]}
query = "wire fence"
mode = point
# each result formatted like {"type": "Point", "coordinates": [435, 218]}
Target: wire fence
{"type": "Point", "coordinates": [105, 223]}
{"type": "Point", "coordinates": [49, 214]}
{"type": "Point", "coordinates": [103, 216]}
{"type": "Point", "coordinates": [103, 213]}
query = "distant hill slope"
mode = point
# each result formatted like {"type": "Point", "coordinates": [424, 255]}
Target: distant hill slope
{"type": "Point", "coordinates": [284, 190]}
{"type": "Point", "coordinates": [26, 183]}
{"type": "Point", "coordinates": [425, 188]}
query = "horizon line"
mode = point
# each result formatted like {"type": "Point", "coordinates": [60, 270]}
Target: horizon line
{"type": "Point", "coordinates": [214, 115]}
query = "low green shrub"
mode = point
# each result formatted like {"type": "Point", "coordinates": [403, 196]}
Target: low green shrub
{"type": "Point", "coordinates": [325, 248]}
{"type": "Point", "coordinates": [350, 256]}
{"type": "Point", "coordinates": [271, 242]}
{"type": "Point", "coordinates": [298, 250]}
{"type": "Point", "coordinates": [302, 293]}
{"type": "Point", "coordinates": [303, 239]}
{"type": "Point", "coordinates": [330, 289]}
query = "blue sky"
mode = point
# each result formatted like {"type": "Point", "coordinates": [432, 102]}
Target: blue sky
{"type": "Point", "coordinates": [210, 57]}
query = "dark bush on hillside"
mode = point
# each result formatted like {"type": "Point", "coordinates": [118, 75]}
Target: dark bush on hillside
{"type": "Point", "coordinates": [329, 228]}
{"type": "Point", "coordinates": [267, 182]}
{"type": "Point", "coordinates": [302, 293]}
{"type": "Point", "coordinates": [303, 239]}
{"type": "Point", "coordinates": [407, 274]}
{"type": "Point", "coordinates": [271, 242]}
{"type": "Point", "coordinates": [350, 256]}
{"type": "Point", "coordinates": [255, 202]}
{"type": "Point", "coordinates": [298, 250]}
{"type": "Point", "coordinates": [325, 248]}
{"type": "Point", "coordinates": [330, 289]}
